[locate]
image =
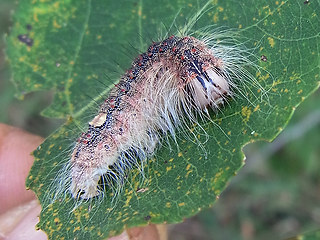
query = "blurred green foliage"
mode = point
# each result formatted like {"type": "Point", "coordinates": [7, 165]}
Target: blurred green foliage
{"type": "Point", "coordinates": [24, 114]}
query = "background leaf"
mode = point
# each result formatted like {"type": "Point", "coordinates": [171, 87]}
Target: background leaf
{"type": "Point", "coordinates": [307, 236]}
{"type": "Point", "coordinates": [71, 46]}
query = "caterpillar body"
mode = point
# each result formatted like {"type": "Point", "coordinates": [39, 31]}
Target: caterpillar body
{"type": "Point", "coordinates": [174, 80]}
{"type": "Point", "coordinates": [166, 88]}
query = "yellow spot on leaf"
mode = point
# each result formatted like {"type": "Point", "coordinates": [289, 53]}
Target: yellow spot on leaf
{"type": "Point", "coordinates": [181, 204]}
{"type": "Point", "coordinates": [188, 166]}
{"type": "Point", "coordinates": [35, 67]}
{"type": "Point", "coordinates": [168, 204]}
{"type": "Point", "coordinates": [51, 146]}
{"type": "Point", "coordinates": [55, 24]}
{"type": "Point", "coordinates": [35, 17]}
{"type": "Point", "coordinates": [271, 41]}
{"type": "Point", "coordinates": [22, 58]}
{"type": "Point", "coordinates": [169, 168]}
{"type": "Point", "coordinates": [300, 91]}
{"type": "Point", "coordinates": [264, 77]}
{"type": "Point", "coordinates": [246, 112]}
{"type": "Point", "coordinates": [180, 154]}
{"type": "Point", "coordinates": [188, 173]}
{"type": "Point", "coordinates": [215, 17]}
{"type": "Point", "coordinates": [217, 176]}
{"type": "Point", "coordinates": [37, 86]}
{"type": "Point", "coordinates": [128, 201]}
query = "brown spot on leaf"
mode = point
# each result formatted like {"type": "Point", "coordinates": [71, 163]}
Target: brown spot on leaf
{"type": "Point", "coordinates": [29, 27]}
{"type": "Point", "coordinates": [264, 58]}
{"type": "Point", "coordinates": [25, 39]}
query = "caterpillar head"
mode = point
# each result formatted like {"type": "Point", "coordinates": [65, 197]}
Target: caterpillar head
{"type": "Point", "coordinates": [209, 88]}
{"type": "Point", "coordinates": [204, 74]}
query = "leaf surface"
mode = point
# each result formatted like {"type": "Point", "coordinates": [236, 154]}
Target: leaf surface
{"type": "Point", "coordinates": [75, 48]}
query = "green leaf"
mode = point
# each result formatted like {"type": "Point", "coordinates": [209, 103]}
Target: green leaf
{"type": "Point", "coordinates": [314, 235]}
{"type": "Point", "coordinates": [70, 46]}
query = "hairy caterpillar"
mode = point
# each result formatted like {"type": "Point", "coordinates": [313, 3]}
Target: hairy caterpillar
{"type": "Point", "coordinates": [167, 87]}
{"type": "Point", "coordinates": [173, 78]}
